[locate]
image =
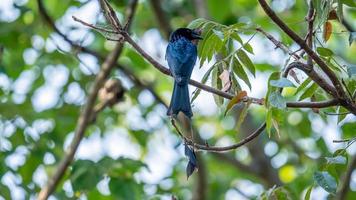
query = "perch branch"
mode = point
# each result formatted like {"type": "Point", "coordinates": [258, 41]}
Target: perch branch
{"type": "Point", "coordinates": [82, 124]}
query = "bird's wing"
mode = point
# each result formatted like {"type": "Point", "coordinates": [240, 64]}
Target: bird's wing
{"type": "Point", "coordinates": [181, 57]}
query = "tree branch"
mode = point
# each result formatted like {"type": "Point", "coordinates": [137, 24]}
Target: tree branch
{"type": "Point", "coordinates": [308, 69]}
{"type": "Point", "coordinates": [339, 89]}
{"type": "Point", "coordinates": [321, 104]}
{"type": "Point", "coordinates": [226, 95]}
{"type": "Point", "coordinates": [345, 184]}
{"type": "Point", "coordinates": [87, 115]}
{"type": "Point", "coordinates": [82, 124]}
{"type": "Point", "coordinates": [200, 192]}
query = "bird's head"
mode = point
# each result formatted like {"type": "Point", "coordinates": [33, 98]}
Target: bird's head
{"type": "Point", "coordinates": [191, 34]}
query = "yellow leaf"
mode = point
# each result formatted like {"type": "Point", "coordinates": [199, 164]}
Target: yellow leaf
{"type": "Point", "coordinates": [327, 31]}
{"type": "Point", "coordinates": [237, 99]}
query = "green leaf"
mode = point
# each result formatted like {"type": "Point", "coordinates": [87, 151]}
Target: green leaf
{"type": "Point", "coordinates": [125, 188]}
{"type": "Point", "coordinates": [350, 3]}
{"type": "Point", "coordinates": [243, 115]}
{"type": "Point", "coordinates": [203, 80]}
{"type": "Point", "coordinates": [84, 175]}
{"type": "Point", "coordinates": [269, 121]}
{"type": "Point", "coordinates": [246, 61]}
{"type": "Point", "coordinates": [281, 193]}
{"type": "Point", "coordinates": [352, 37]}
{"type": "Point", "coordinates": [239, 70]}
{"type": "Point", "coordinates": [235, 87]}
{"type": "Point", "coordinates": [348, 130]}
{"type": "Point", "coordinates": [341, 117]}
{"type": "Point", "coordinates": [219, 34]}
{"type": "Point", "coordinates": [340, 10]}
{"type": "Point", "coordinates": [236, 37]}
{"type": "Point", "coordinates": [308, 193]}
{"type": "Point", "coordinates": [237, 25]}
{"type": "Point", "coordinates": [282, 82]}
{"type": "Point", "coordinates": [197, 23]}
{"type": "Point", "coordinates": [324, 52]}
{"type": "Point", "coordinates": [276, 100]}
{"type": "Point", "coordinates": [212, 44]}
{"type": "Point", "coordinates": [248, 48]}
{"type": "Point", "coordinates": [326, 181]}
{"type": "Point", "coordinates": [216, 83]}
{"type": "Point", "coordinates": [303, 85]}
{"type": "Point", "coordinates": [351, 70]}
{"type": "Point", "coordinates": [336, 160]}
{"type": "Point", "coordinates": [273, 76]}
{"type": "Point", "coordinates": [204, 44]}
{"type": "Point", "coordinates": [309, 92]}
{"type": "Point", "coordinates": [5, 191]}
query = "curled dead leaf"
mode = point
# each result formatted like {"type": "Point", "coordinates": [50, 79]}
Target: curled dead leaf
{"type": "Point", "coordinates": [226, 80]}
{"type": "Point", "coordinates": [327, 31]}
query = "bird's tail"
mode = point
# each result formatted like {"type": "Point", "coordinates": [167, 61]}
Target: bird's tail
{"type": "Point", "coordinates": [180, 100]}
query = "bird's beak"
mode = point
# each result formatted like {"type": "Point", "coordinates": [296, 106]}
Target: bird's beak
{"type": "Point", "coordinates": [196, 34]}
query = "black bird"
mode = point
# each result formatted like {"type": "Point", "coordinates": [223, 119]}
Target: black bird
{"type": "Point", "coordinates": [181, 55]}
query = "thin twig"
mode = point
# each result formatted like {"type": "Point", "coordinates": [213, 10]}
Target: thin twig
{"type": "Point", "coordinates": [230, 147]}
{"type": "Point", "coordinates": [341, 141]}
{"type": "Point", "coordinates": [130, 14]}
{"type": "Point", "coordinates": [309, 38]}
{"type": "Point", "coordinates": [110, 15]}
{"type": "Point", "coordinates": [177, 129]}
{"type": "Point", "coordinates": [161, 18]}
{"type": "Point", "coordinates": [278, 44]}
{"type": "Point", "coordinates": [94, 27]}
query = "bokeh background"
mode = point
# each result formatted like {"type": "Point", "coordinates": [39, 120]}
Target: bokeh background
{"type": "Point", "coordinates": [44, 82]}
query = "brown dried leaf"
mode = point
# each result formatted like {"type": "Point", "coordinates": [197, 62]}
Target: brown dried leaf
{"type": "Point", "coordinates": [327, 31]}
{"type": "Point", "coordinates": [333, 15]}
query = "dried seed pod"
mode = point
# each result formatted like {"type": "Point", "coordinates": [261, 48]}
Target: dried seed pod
{"type": "Point", "coordinates": [112, 91]}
